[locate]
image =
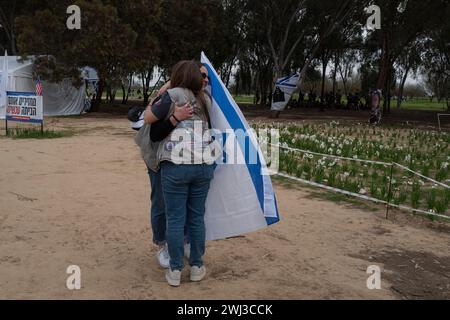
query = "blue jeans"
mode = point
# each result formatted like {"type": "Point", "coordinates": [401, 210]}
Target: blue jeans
{"type": "Point", "coordinates": [185, 189]}
{"type": "Point", "coordinates": [158, 209]}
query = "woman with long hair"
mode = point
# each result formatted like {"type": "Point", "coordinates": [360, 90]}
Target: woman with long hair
{"type": "Point", "coordinates": [186, 168]}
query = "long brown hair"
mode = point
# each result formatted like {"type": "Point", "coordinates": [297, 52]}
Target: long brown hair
{"type": "Point", "coordinates": [186, 74]}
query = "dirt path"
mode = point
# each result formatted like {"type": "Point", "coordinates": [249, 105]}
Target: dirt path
{"type": "Point", "coordinates": [83, 201]}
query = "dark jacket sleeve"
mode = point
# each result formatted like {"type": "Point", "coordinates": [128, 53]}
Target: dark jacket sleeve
{"type": "Point", "coordinates": [161, 107]}
{"type": "Point", "coordinates": [161, 129]}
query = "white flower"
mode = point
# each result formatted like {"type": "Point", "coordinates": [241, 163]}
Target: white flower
{"type": "Point", "coordinates": [321, 163]}
{"type": "Point", "coordinates": [445, 165]}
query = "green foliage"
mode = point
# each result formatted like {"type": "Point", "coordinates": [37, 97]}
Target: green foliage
{"type": "Point", "coordinates": [23, 134]}
{"type": "Point", "coordinates": [256, 41]}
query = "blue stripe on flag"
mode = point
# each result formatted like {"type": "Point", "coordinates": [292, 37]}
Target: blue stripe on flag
{"type": "Point", "coordinates": [271, 220]}
{"type": "Point", "coordinates": [287, 85]}
{"type": "Point", "coordinates": [255, 170]}
{"type": "Point", "coordinates": [282, 80]}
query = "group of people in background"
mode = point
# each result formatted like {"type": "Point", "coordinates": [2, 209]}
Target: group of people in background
{"type": "Point", "coordinates": [351, 101]}
{"type": "Point", "coordinates": [335, 100]}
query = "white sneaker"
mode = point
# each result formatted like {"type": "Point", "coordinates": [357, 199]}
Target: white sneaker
{"type": "Point", "coordinates": [173, 278]}
{"type": "Point", "coordinates": [187, 250]}
{"type": "Point", "coordinates": [198, 274]}
{"type": "Point", "coordinates": [163, 257]}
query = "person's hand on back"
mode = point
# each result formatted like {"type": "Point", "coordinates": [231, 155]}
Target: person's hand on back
{"type": "Point", "coordinates": [183, 112]}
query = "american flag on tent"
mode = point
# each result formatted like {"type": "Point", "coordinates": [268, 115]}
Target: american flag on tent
{"type": "Point", "coordinates": [39, 89]}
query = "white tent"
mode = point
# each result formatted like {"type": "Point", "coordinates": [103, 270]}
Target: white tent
{"type": "Point", "coordinates": [60, 99]}
{"type": "Point", "coordinates": [89, 74]}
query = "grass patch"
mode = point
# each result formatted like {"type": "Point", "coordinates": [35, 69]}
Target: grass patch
{"type": "Point", "coordinates": [37, 134]}
{"type": "Point", "coordinates": [244, 99]}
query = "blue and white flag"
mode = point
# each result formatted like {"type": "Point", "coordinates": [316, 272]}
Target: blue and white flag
{"type": "Point", "coordinates": [241, 198]}
{"type": "Point", "coordinates": [284, 90]}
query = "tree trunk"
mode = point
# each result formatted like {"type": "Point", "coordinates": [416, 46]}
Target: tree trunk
{"type": "Point", "coordinates": [127, 90]}
{"type": "Point", "coordinates": [257, 91]}
{"type": "Point", "coordinates": [324, 73]}
{"type": "Point", "coordinates": [325, 60]}
{"type": "Point", "coordinates": [335, 73]}
{"type": "Point", "coordinates": [145, 88]}
{"type": "Point", "coordinates": [124, 95]}
{"type": "Point", "coordinates": [98, 98]}
{"type": "Point", "coordinates": [228, 72]}
{"type": "Point", "coordinates": [108, 93]}
{"type": "Point", "coordinates": [112, 96]}
{"type": "Point", "coordinates": [402, 88]}
{"type": "Point", "coordinates": [146, 79]}
{"type": "Point", "coordinates": [344, 82]}
{"type": "Point", "coordinates": [383, 65]}
{"type": "Point", "coordinates": [13, 44]}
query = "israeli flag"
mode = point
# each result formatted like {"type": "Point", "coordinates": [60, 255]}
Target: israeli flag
{"type": "Point", "coordinates": [241, 198]}
{"type": "Point", "coordinates": [284, 89]}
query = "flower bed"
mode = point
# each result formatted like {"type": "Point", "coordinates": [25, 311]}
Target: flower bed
{"type": "Point", "coordinates": [425, 152]}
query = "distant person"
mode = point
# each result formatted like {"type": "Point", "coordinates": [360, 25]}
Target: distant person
{"type": "Point", "coordinates": [312, 98]}
{"type": "Point", "coordinates": [338, 99]}
{"type": "Point", "coordinates": [301, 98]}
{"type": "Point", "coordinates": [375, 115]}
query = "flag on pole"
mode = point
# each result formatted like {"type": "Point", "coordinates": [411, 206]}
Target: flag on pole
{"type": "Point", "coordinates": [4, 87]}
{"type": "Point", "coordinates": [241, 197]}
{"type": "Point", "coordinates": [39, 89]}
{"type": "Point", "coordinates": [284, 89]}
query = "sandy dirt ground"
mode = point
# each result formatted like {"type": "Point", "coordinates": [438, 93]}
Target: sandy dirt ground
{"type": "Point", "coordinates": [84, 200]}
